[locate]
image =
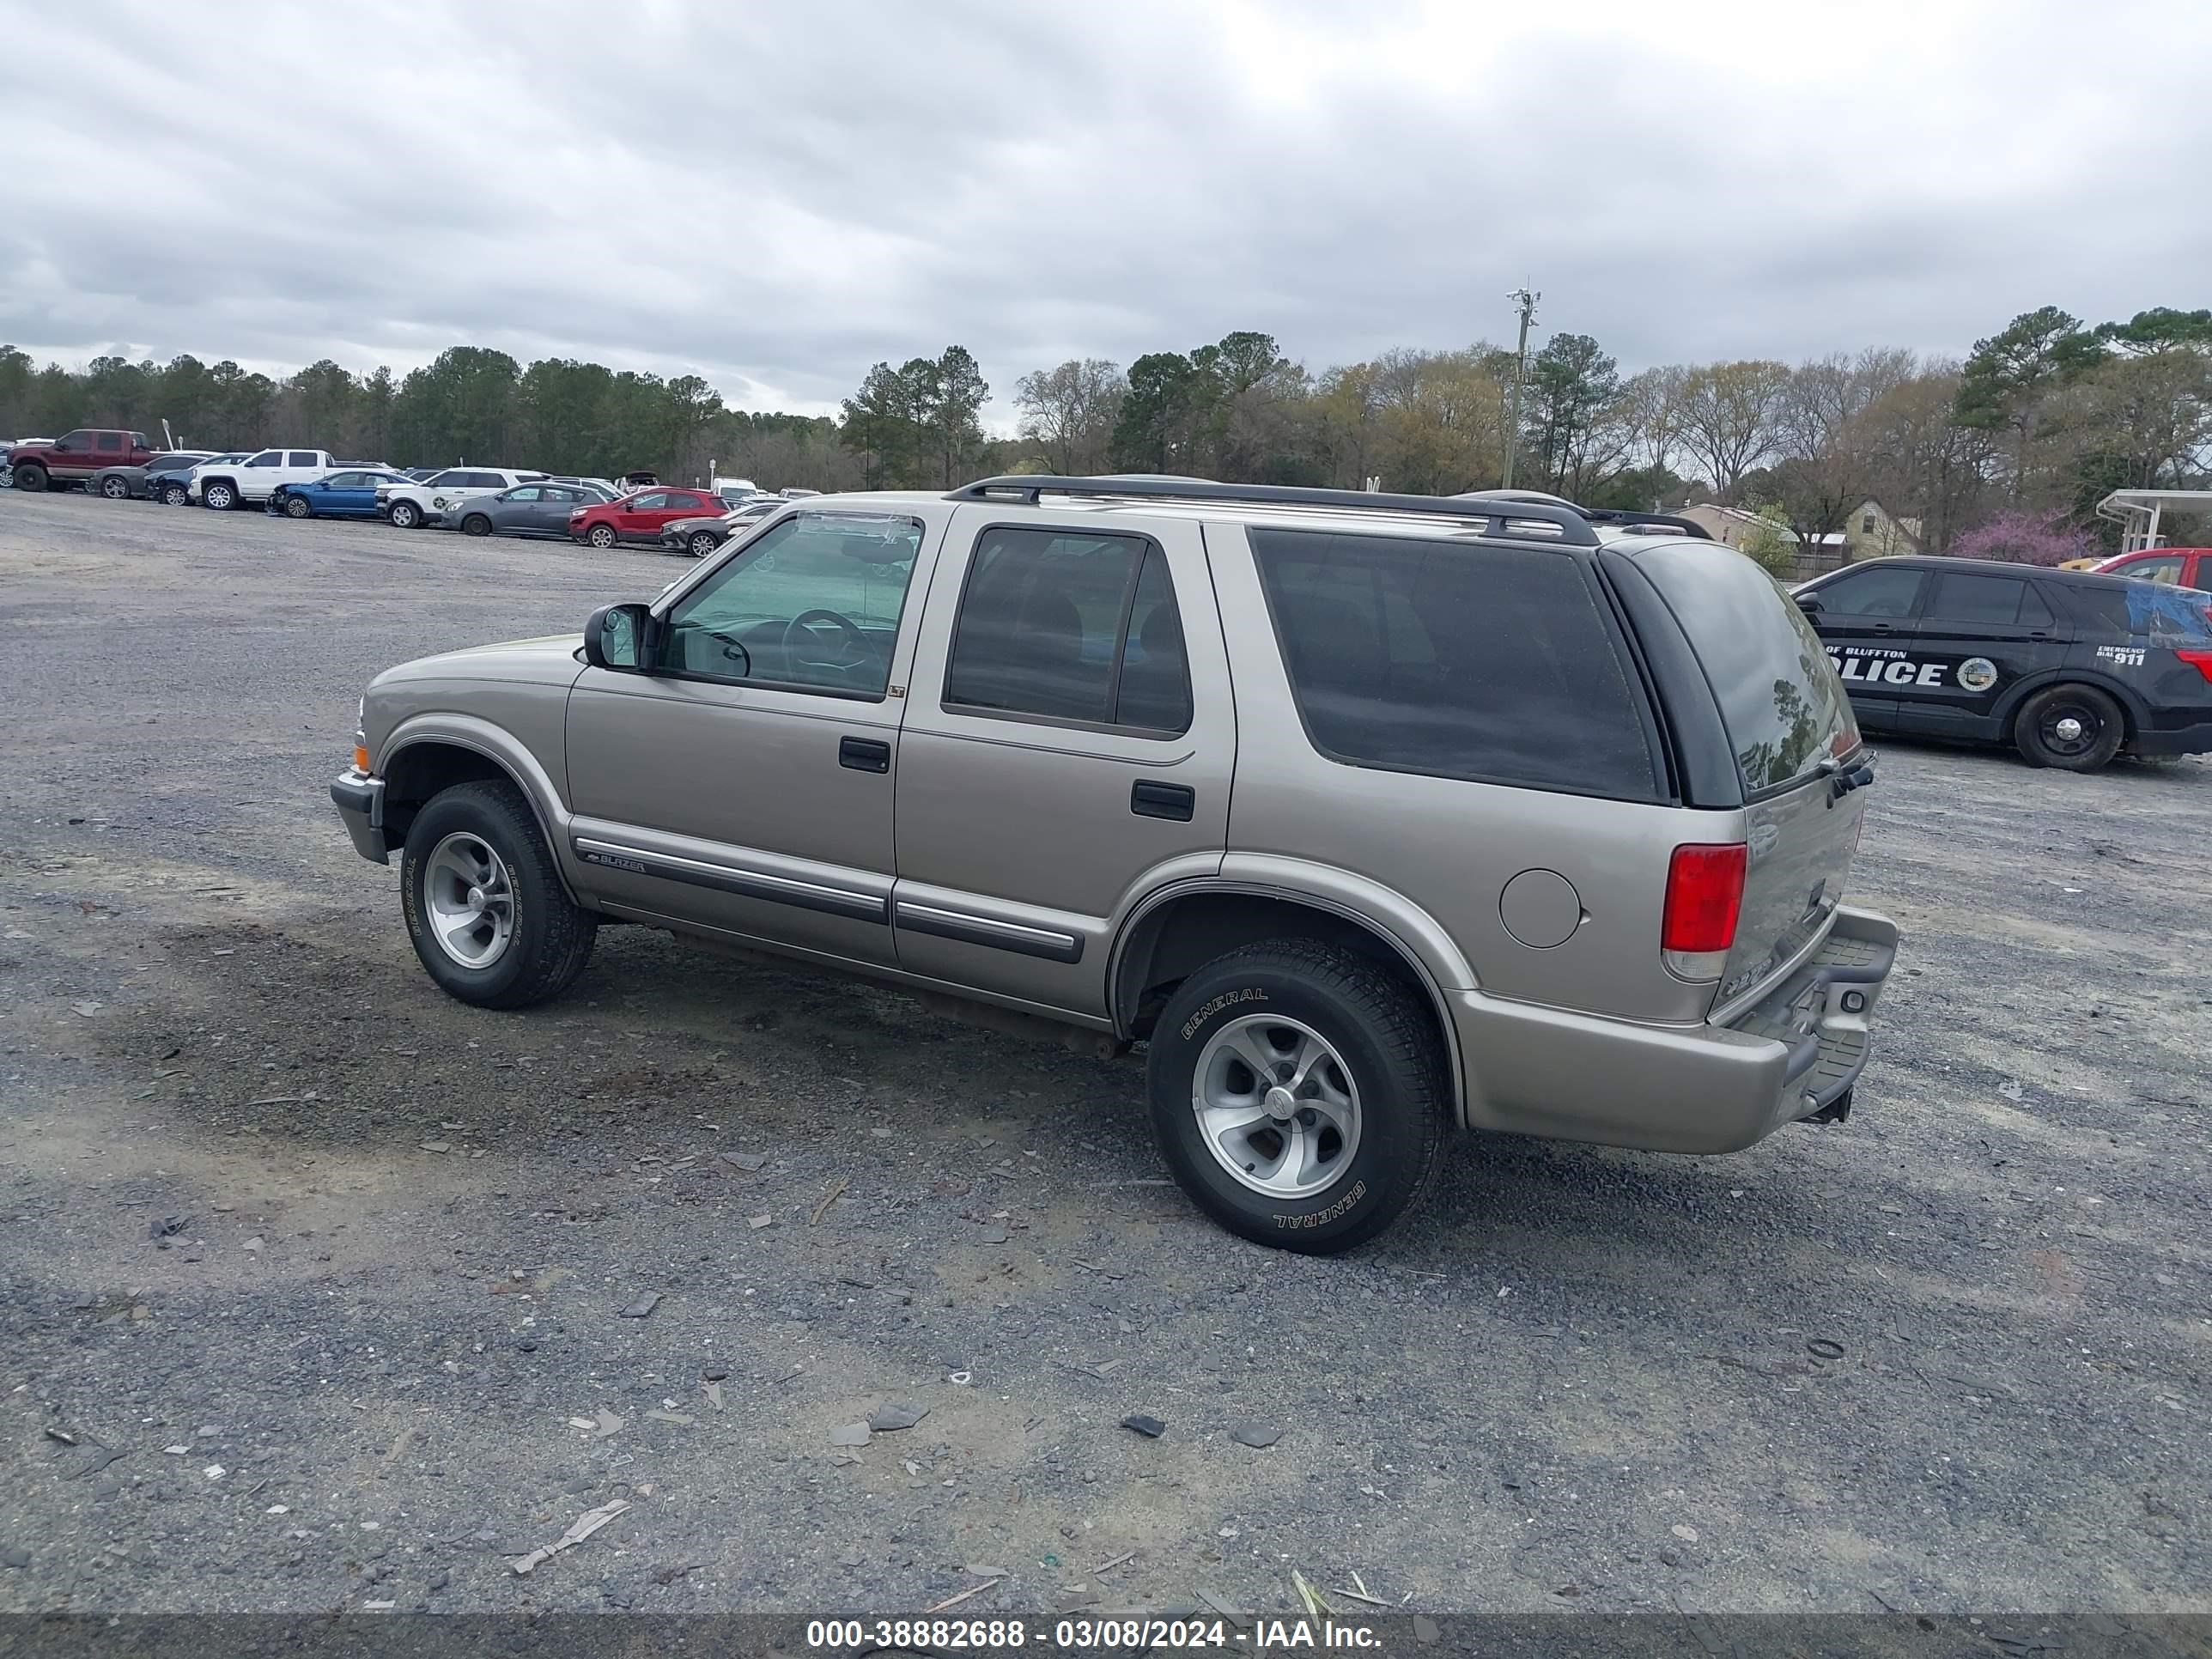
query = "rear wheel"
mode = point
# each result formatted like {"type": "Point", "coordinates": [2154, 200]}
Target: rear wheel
{"type": "Point", "coordinates": [405, 515]}
{"type": "Point", "coordinates": [475, 525]}
{"type": "Point", "coordinates": [601, 536]}
{"type": "Point", "coordinates": [296, 506]}
{"type": "Point", "coordinates": [31, 476]}
{"type": "Point", "coordinates": [219, 496]}
{"type": "Point", "coordinates": [116, 489]}
{"type": "Point", "coordinates": [2076, 728]}
{"type": "Point", "coordinates": [1298, 1095]}
{"type": "Point", "coordinates": [485, 905]}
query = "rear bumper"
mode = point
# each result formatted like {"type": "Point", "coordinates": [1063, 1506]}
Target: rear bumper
{"type": "Point", "coordinates": [360, 801]}
{"type": "Point", "coordinates": [1703, 1088]}
{"type": "Point", "coordinates": [2177, 740]}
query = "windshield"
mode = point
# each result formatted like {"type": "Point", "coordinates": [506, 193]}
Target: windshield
{"type": "Point", "coordinates": [1785, 710]}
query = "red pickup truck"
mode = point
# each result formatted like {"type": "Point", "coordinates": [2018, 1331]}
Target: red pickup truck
{"type": "Point", "coordinates": [73, 459]}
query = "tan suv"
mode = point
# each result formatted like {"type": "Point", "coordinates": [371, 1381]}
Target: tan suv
{"type": "Point", "coordinates": [1371, 816]}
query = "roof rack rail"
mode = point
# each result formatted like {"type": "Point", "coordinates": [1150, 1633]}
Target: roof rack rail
{"type": "Point", "coordinates": [1665, 520]}
{"type": "Point", "coordinates": [1571, 524]}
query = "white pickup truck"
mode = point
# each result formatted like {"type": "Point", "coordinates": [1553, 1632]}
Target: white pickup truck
{"type": "Point", "coordinates": [409, 505]}
{"type": "Point", "coordinates": [223, 485]}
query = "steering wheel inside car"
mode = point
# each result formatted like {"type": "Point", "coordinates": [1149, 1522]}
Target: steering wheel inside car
{"type": "Point", "coordinates": [860, 650]}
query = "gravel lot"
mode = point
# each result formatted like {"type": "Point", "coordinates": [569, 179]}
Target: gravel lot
{"type": "Point", "coordinates": [401, 1233]}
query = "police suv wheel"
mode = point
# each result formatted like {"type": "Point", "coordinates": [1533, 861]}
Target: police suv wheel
{"type": "Point", "coordinates": [1298, 1096]}
{"type": "Point", "coordinates": [483, 901]}
{"type": "Point", "coordinates": [2076, 728]}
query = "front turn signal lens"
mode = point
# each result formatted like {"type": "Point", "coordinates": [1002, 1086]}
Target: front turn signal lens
{"type": "Point", "coordinates": [360, 759]}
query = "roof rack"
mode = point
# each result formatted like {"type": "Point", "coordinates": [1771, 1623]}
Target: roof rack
{"type": "Point", "coordinates": [1664, 520]}
{"type": "Point", "coordinates": [1572, 525]}
{"type": "Point", "coordinates": [1593, 514]}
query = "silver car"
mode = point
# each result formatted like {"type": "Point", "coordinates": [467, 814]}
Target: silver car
{"type": "Point", "coordinates": [1371, 816]}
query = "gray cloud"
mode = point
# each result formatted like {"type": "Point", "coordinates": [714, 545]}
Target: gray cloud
{"type": "Point", "coordinates": [777, 195]}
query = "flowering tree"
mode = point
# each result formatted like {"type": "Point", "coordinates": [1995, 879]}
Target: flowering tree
{"type": "Point", "coordinates": [2025, 539]}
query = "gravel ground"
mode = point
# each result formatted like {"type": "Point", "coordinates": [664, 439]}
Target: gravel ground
{"type": "Point", "coordinates": [326, 1274]}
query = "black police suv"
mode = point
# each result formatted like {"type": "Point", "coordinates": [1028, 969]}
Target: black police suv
{"type": "Point", "coordinates": [2070, 667]}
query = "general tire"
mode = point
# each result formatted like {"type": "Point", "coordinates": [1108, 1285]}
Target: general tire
{"type": "Point", "coordinates": [219, 496]}
{"type": "Point", "coordinates": [2041, 730]}
{"type": "Point", "coordinates": [297, 507]}
{"type": "Point", "coordinates": [475, 525]}
{"type": "Point", "coordinates": [552, 937]}
{"type": "Point", "coordinates": [1388, 1047]}
{"type": "Point", "coordinates": [702, 542]}
{"type": "Point", "coordinates": [405, 515]}
{"type": "Point", "coordinates": [32, 479]}
{"type": "Point", "coordinates": [601, 536]}
{"type": "Point", "coordinates": [116, 489]}
{"type": "Point", "coordinates": [174, 495]}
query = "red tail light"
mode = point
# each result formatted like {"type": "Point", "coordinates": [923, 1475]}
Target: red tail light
{"type": "Point", "coordinates": [1704, 896]}
{"type": "Point", "coordinates": [2199, 660]}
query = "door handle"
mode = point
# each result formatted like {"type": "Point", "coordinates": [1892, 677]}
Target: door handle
{"type": "Point", "coordinates": [1163, 800]}
{"type": "Point", "coordinates": [864, 754]}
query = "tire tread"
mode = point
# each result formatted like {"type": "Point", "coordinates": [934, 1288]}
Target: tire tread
{"type": "Point", "coordinates": [565, 932]}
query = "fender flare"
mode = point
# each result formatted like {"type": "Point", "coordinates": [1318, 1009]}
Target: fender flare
{"type": "Point", "coordinates": [502, 750]}
{"type": "Point", "coordinates": [1181, 887]}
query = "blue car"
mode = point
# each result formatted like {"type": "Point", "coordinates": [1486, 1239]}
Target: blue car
{"type": "Point", "coordinates": [350, 494]}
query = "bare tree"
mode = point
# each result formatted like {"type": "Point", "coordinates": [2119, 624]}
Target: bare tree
{"type": "Point", "coordinates": [1652, 407]}
{"type": "Point", "coordinates": [1728, 416]}
{"type": "Point", "coordinates": [1071, 409]}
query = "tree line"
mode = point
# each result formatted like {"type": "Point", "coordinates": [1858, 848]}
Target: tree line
{"type": "Point", "coordinates": [2030, 428]}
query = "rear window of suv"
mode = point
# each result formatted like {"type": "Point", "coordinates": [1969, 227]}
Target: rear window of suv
{"type": "Point", "coordinates": [1492, 664]}
{"type": "Point", "coordinates": [1779, 697]}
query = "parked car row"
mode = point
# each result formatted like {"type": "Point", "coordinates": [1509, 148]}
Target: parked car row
{"type": "Point", "coordinates": [312, 483]}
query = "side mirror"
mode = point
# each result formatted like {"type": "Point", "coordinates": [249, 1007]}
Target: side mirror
{"type": "Point", "coordinates": [1809, 603]}
{"type": "Point", "coordinates": [615, 638]}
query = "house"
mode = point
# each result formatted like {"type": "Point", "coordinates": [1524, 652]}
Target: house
{"type": "Point", "coordinates": [1873, 531]}
{"type": "Point", "coordinates": [1732, 526]}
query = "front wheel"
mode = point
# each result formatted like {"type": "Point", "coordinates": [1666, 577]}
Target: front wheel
{"type": "Point", "coordinates": [405, 515]}
{"type": "Point", "coordinates": [703, 542]}
{"type": "Point", "coordinates": [32, 479]}
{"type": "Point", "coordinates": [601, 536]}
{"type": "Point", "coordinates": [220, 497]}
{"type": "Point", "coordinates": [483, 901]}
{"type": "Point", "coordinates": [116, 489]}
{"type": "Point", "coordinates": [296, 506]}
{"type": "Point", "coordinates": [475, 525]}
{"type": "Point", "coordinates": [1298, 1095]}
{"type": "Point", "coordinates": [174, 495]}
{"type": "Point", "coordinates": [2075, 728]}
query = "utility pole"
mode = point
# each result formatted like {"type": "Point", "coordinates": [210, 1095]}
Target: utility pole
{"type": "Point", "coordinates": [1524, 301]}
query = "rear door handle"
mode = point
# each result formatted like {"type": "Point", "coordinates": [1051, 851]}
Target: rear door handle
{"type": "Point", "coordinates": [1163, 800]}
{"type": "Point", "coordinates": [864, 754]}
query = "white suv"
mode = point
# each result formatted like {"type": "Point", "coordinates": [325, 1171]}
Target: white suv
{"type": "Point", "coordinates": [409, 505]}
{"type": "Point", "coordinates": [223, 484]}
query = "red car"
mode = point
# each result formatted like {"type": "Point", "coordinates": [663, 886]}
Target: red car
{"type": "Point", "coordinates": [639, 517]}
{"type": "Point", "coordinates": [2169, 567]}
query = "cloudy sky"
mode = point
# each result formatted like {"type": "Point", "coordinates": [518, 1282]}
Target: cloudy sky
{"type": "Point", "coordinates": [777, 194]}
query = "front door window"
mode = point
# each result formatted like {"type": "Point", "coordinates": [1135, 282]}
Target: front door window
{"type": "Point", "coordinates": [813, 605]}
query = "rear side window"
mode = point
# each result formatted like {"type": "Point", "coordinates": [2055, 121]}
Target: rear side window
{"type": "Point", "coordinates": [1784, 708]}
{"type": "Point", "coordinates": [111, 443]}
{"type": "Point", "coordinates": [305, 458]}
{"type": "Point", "coordinates": [1065, 625]}
{"type": "Point", "coordinates": [1990, 599]}
{"type": "Point", "coordinates": [1458, 660]}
